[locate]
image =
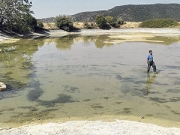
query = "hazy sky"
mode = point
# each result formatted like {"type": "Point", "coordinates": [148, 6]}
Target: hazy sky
{"type": "Point", "coordinates": [52, 8]}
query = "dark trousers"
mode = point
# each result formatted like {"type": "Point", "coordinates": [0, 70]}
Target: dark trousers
{"type": "Point", "coordinates": [151, 64]}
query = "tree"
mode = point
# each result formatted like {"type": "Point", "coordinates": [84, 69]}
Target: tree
{"type": "Point", "coordinates": [40, 25]}
{"type": "Point", "coordinates": [27, 24]}
{"type": "Point", "coordinates": [16, 15]}
{"type": "Point", "coordinates": [64, 23]}
{"type": "Point", "coordinates": [110, 20]}
{"type": "Point", "coordinates": [12, 11]}
{"type": "Point", "coordinates": [101, 22]}
{"type": "Point", "coordinates": [120, 21]}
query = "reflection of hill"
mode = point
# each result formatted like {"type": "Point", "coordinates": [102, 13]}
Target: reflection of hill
{"type": "Point", "coordinates": [15, 61]}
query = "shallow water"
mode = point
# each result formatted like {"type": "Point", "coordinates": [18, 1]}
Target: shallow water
{"type": "Point", "coordinates": [84, 77]}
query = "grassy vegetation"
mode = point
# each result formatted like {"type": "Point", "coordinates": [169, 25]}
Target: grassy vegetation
{"type": "Point", "coordinates": [159, 23]}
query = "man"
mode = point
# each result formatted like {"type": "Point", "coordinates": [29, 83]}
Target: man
{"type": "Point", "coordinates": [150, 62]}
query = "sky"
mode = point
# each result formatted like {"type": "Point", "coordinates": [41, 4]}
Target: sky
{"type": "Point", "coordinates": [53, 8]}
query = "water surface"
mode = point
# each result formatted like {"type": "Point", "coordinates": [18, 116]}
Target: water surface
{"type": "Point", "coordinates": [84, 77]}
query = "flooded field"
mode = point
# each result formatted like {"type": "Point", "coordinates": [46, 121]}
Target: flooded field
{"type": "Point", "coordinates": [88, 76]}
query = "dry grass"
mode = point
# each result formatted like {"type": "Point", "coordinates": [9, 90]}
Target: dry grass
{"type": "Point", "coordinates": [80, 25]}
{"type": "Point", "coordinates": [131, 25]}
{"type": "Point", "coordinates": [50, 26]}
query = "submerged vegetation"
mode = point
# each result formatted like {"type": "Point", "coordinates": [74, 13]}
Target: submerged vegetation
{"type": "Point", "coordinates": [46, 98]}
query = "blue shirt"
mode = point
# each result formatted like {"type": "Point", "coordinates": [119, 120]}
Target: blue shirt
{"type": "Point", "coordinates": [150, 58]}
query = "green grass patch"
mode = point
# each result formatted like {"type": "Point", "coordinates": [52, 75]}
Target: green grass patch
{"type": "Point", "coordinates": [159, 23]}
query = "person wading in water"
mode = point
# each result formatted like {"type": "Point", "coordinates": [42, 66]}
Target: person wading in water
{"type": "Point", "coordinates": [150, 62]}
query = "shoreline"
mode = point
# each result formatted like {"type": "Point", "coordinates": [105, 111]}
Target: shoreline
{"type": "Point", "coordinates": [166, 32]}
{"type": "Point", "coordinates": [91, 127]}
{"type": "Point", "coordinates": [95, 32]}
{"type": "Point", "coordinates": [95, 125]}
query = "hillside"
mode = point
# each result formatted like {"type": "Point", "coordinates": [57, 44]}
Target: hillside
{"type": "Point", "coordinates": [135, 13]}
{"type": "Point", "coordinates": [131, 13]}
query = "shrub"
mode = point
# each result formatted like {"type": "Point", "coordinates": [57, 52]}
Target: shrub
{"type": "Point", "coordinates": [110, 20]}
{"type": "Point", "coordinates": [159, 23]}
{"type": "Point", "coordinates": [87, 25]}
{"type": "Point", "coordinates": [64, 23]}
{"type": "Point", "coordinates": [40, 25]}
{"type": "Point", "coordinates": [101, 22]}
{"type": "Point", "coordinates": [120, 21]}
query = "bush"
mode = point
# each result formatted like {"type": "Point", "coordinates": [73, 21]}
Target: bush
{"type": "Point", "coordinates": [120, 21]}
{"type": "Point", "coordinates": [159, 23]}
{"type": "Point", "coordinates": [110, 20]}
{"type": "Point", "coordinates": [87, 26]}
{"type": "Point", "coordinates": [64, 23]}
{"type": "Point", "coordinates": [101, 22]}
{"type": "Point", "coordinates": [40, 25]}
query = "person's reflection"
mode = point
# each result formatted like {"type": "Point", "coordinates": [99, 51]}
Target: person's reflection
{"type": "Point", "coordinates": [149, 82]}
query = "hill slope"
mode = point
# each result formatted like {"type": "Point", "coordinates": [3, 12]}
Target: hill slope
{"type": "Point", "coordinates": [135, 13]}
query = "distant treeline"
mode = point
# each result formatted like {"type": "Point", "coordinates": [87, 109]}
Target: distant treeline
{"type": "Point", "coordinates": [108, 22]}
{"type": "Point", "coordinates": [103, 22]}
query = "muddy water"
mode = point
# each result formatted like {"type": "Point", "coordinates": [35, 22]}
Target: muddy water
{"type": "Point", "coordinates": [84, 77]}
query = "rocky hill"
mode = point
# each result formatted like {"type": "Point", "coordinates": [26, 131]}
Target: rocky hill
{"type": "Point", "coordinates": [135, 13]}
{"type": "Point", "coordinates": [132, 13]}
